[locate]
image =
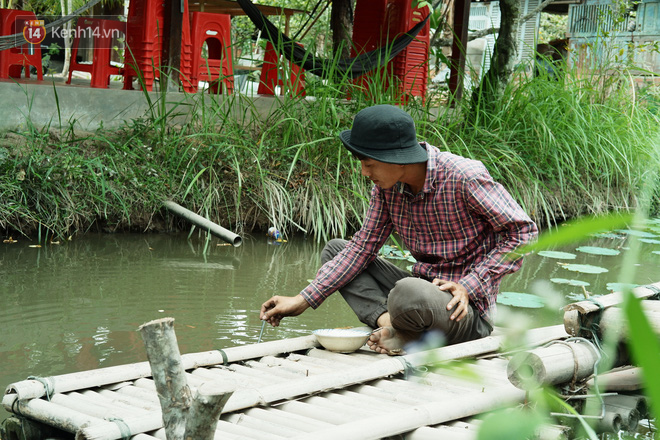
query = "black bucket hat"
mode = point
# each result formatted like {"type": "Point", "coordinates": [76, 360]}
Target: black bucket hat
{"type": "Point", "coordinates": [385, 133]}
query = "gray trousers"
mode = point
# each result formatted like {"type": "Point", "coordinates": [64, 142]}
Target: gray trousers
{"type": "Point", "coordinates": [415, 305]}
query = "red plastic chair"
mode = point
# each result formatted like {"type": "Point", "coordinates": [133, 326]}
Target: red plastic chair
{"type": "Point", "coordinates": [188, 83]}
{"type": "Point", "coordinates": [144, 42]}
{"type": "Point", "coordinates": [217, 69]}
{"type": "Point", "coordinates": [272, 75]}
{"type": "Point", "coordinates": [378, 22]}
{"type": "Point", "coordinates": [103, 33]}
{"type": "Point", "coordinates": [14, 61]}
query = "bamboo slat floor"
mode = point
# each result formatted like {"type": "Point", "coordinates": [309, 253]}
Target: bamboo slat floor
{"type": "Point", "coordinates": [289, 389]}
{"type": "Point", "coordinates": [294, 389]}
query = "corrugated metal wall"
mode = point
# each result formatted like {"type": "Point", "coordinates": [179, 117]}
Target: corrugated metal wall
{"type": "Point", "coordinates": [599, 34]}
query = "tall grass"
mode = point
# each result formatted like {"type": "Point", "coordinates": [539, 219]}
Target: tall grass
{"type": "Point", "coordinates": [563, 148]}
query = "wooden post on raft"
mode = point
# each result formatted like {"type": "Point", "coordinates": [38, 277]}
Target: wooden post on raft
{"type": "Point", "coordinates": [203, 223]}
{"type": "Point", "coordinates": [205, 411]}
{"type": "Point", "coordinates": [183, 417]}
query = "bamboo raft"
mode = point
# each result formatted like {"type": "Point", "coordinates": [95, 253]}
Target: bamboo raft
{"type": "Point", "coordinates": [294, 389]}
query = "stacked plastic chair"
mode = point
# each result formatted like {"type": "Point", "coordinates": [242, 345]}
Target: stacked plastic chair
{"type": "Point", "coordinates": [217, 69]}
{"type": "Point", "coordinates": [187, 76]}
{"type": "Point", "coordinates": [18, 59]}
{"type": "Point", "coordinates": [410, 67]}
{"type": "Point", "coordinates": [377, 23]}
{"type": "Point", "coordinates": [144, 42]}
{"type": "Point", "coordinates": [272, 75]}
{"type": "Point", "coordinates": [103, 32]}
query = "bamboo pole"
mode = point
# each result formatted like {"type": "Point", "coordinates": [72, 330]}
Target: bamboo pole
{"type": "Point", "coordinates": [130, 400]}
{"type": "Point", "coordinates": [611, 422]}
{"type": "Point", "coordinates": [613, 320]}
{"type": "Point", "coordinates": [288, 418]}
{"type": "Point", "coordinates": [245, 432]}
{"type": "Point", "coordinates": [433, 413]}
{"type": "Point", "coordinates": [48, 412]}
{"type": "Point", "coordinates": [610, 319]}
{"type": "Point", "coordinates": [168, 373]}
{"type": "Point", "coordinates": [203, 223]}
{"type": "Point", "coordinates": [70, 420]}
{"type": "Point", "coordinates": [264, 427]}
{"type": "Point", "coordinates": [636, 401]}
{"type": "Point", "coordinates": [631, 408]}
{"type": "Point", "coordinates": [551, 365]}
{"type": "Point", "coordinates": [625, 379]}
{"type": "Point", "coordinates": [31, 388]}
{"type": "Point", "coordinates": [202, 419]}
{"type": "Point", "coordinates": [114, 430]}
{"type": "Point", "coordinates": [629, 416]}
{"type": "Point", "coordinates": [612, 299]}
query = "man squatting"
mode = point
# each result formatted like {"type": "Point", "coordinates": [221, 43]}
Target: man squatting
{"type": "Point", "coordinates": [459, 224]}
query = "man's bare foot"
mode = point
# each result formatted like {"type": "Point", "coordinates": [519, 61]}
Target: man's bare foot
{"type": "Point", "coordinates": [387, 340]}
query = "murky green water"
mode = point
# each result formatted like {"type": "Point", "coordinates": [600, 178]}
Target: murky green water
{"type": "Point", "coordinates": [77, 305]}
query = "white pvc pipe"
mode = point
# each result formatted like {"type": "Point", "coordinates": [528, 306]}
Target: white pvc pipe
{"type": "Point", "coordinates": [203, 223]}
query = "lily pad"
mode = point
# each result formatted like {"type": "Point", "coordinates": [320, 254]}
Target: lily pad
{"type": "Point", "coordinates": [395, 253]}
{"type": "Point", "coordinates": [557, 255]}
{"type": "Point", "coordinates": [620, 287]}
{"type": "Point", "coordinates": [516, 299]}
{"type": "Point", "coordinates": [655, 252]}
{"type": "Point", "coordinates": [570, 282]}
{"type": "Point", "coordinates": [584, 268]}
{"type": "Point", "coordinates": [594, 250]}
{"type": "Point", "coordinates": [607, 235]}
{"type": "Point", "coordinates": [643, 234]}
{"type": "Point", "coordinates": [650, 240]}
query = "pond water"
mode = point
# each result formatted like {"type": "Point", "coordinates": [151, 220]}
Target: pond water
{"type": "Point", "coordinates": [77, 305]}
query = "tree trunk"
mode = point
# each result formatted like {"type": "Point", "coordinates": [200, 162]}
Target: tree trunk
{"type": "Point", "coordinates": [341, 24]}
{"type": "Point", "coordinates": [503, 60]}
{"type": "Point", "coordinates": [68, 40]}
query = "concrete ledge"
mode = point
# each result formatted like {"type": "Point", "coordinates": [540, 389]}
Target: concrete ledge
{"type": "Point", "coordinates": [53, 104]}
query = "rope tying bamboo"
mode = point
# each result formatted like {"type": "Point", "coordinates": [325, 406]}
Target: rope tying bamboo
{"type": "Point", "coordinates": [594, 327]}
{"type": "Point", "coordinates": [656, 291]}
{"type": "Point", "coordinates": [598, 351]}
{"type": "Point", "coordinates": [408, 368]}
{"type": "Point", "coordinates": [225, 359]}
{"type": "Point", "coordinates": [576, 365]}
{"type": "Point", "coordinates": [47, 383]}
{"type": "Point", "coordinates": [16, 408]}
{"type": "Point", "coordinates": [124, 429]}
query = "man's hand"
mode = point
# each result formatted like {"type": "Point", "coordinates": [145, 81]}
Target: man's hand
{"type": "Point", "coordinates": [276, 308]}
{"type": "Point", "coordinates": [460, 298]}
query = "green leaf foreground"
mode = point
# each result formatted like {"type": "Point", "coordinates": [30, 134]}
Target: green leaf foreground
{"type": "Point", "coordinates": [645, 349]}
{"type": "Point", "coordinates": [576, 231]}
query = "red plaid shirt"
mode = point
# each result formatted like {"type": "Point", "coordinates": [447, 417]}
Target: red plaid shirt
{"type": "Point", "coordinates": [460, 227]}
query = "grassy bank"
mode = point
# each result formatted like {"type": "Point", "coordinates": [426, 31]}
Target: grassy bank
{"type": "Point", "coordinates": [563, 148]}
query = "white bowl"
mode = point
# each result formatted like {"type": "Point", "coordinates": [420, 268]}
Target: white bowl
{"type": "Point", "coordinates": [342, 340]}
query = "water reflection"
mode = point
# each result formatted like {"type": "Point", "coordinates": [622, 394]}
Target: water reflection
{"type": "Point", "coordinates": [78, 305]}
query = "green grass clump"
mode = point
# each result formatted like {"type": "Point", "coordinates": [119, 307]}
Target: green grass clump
{"type": "Point", "coordinates": [566, 148]}
{"type": "Point", "coordinates": [563, 148]}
